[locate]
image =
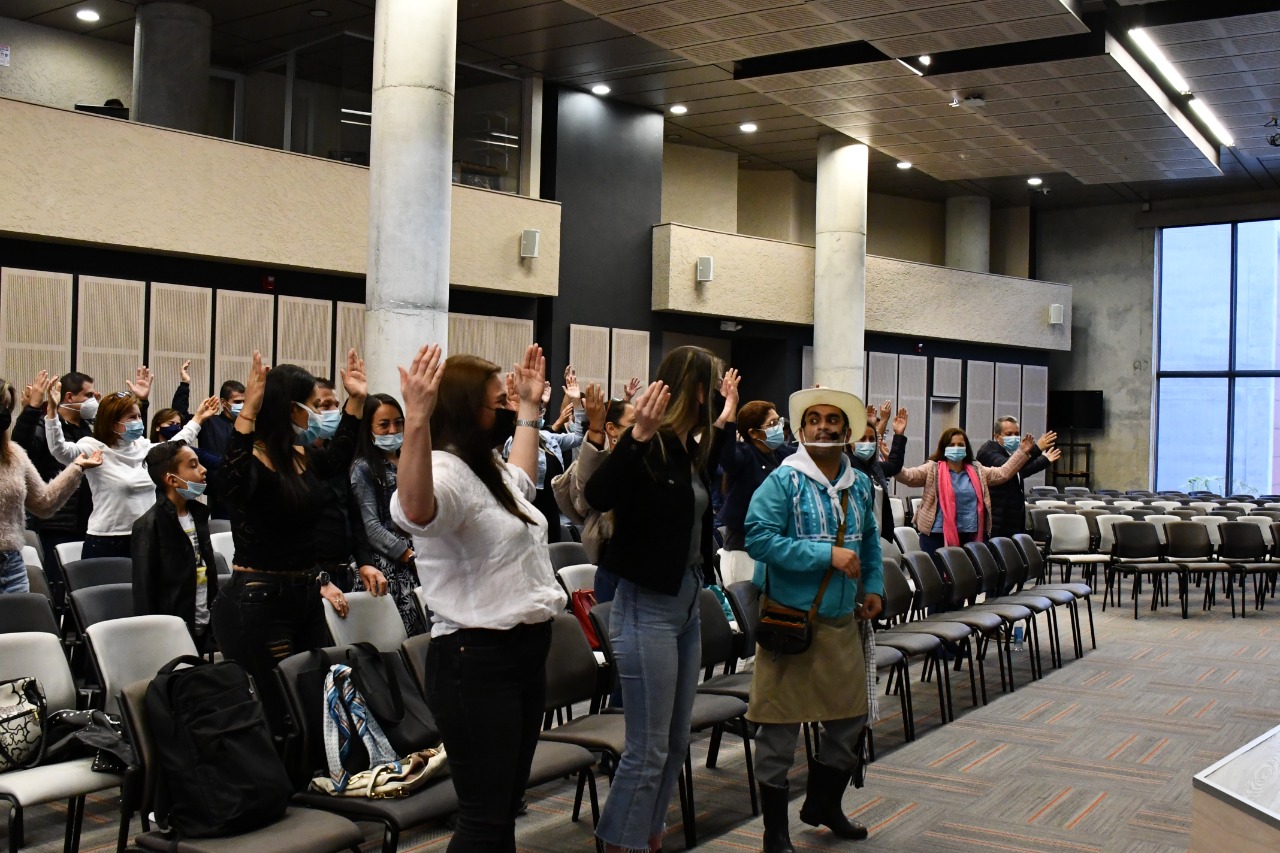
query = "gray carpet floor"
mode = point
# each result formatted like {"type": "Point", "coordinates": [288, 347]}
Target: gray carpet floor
{"type": "Point", "coordinates": [1097, 756]}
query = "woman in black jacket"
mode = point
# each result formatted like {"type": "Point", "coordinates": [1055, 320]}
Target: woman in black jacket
{"type": "Point", "coordinates": [745, 465]}
{"type": "Point", "coordinates": [866, 458]}
{"type": "Point", "coordinates": [656, 485]}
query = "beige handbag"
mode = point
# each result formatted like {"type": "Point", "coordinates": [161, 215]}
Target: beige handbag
{"type": "Point", "coordinates": [392, 780]}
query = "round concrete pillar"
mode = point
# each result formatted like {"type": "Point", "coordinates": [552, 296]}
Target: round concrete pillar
{"type": "Point", "coordinates": [171, 66]}
{"type": "Point", "coordinates": [840, 264]}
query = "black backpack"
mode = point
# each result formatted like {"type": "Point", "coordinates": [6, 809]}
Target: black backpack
{"type": "Point", "coordinates": [392, 698]}
{"type": "Point", "coordinates": [221, 774]}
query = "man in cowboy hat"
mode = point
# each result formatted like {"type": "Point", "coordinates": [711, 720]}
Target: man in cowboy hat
{"type": "Point", "coordinates": [812, 520]}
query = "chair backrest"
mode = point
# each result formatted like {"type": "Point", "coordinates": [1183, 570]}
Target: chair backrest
{"type": "Point", "coordinates": [1068, 534]}
{"type": "Point", "coordinates": [82, 574]}
{"type": "Point", "coordinates": [1091, 517]}
{"type": "Point", "coordinates": [1044, 490]}
{"type": "Point", "coordinates": [1228, 514]}
{"type": "Point", "coordinates": [1212, 523]}
{"type": "Point", "coordinates": [421, 595]}
{"type": "Point", "coordinates": [1166, 504]}
{"type": "Point", "coordinates": [21, 612]}
{"type": "Point", "coordinates": [915, 505]}
{"type": "Point", "coordinates": [984, 562]}
{"type": "Point", "coordinates": [39, 654]}
{"type": "Point", "coordinates": [127, 650]}
{"type": "Point", "coordinates": [1136, 540]}
{"type": "Point", "coordinates": [1242, 541]}
{"type": "Point", "coordinates": [1264, 524]}
{"type": "Point", "coordinates": [100, 603]}
{"type": "Point", "coordinates": [1075, 490]}
{"type": "Point", "coordinates": [38, 582]}
{"type": "Point", "coordinates": [370, 619]}
{"type": "Point", "coordinates": [31, 556]}
{"type": "Point", "coordinates": [965, 584]}
{"type": "Point", "coordinates": [301, 679]}
{"type": "Point", "coordinates": [1106, 530]}
{"type": "Point", "coordinates": [567, 554]}
{"type": "Point", "coordinates": [1272, 514]}
{"type": "Point", "coordinates": [577, 577]}
{"type": "Point", "coordinates": [68, 552]}
{"type": "Point", "coordinates": [744, 598]}
{"type": "Point", "coordinates": [1111, 493]}
{"type": "Point", "coordinates": [1012, 564]}
{"type": "Point", "coordinates": [1186, 513]}
{"type": "Point", "coordinates": [890, 551]}
{"type": "Point", "coordinates": [1187, 540]}
{"type": "Point", "coordinates": [414, 652]}
{"type": "Point", "coordinates": [133, 710]}
{"type": "Point", "coordinates": [1160, 521]}
{"type": "Point", "coordinates": [1245, 508]}
{"type": "Point", "coordinates": [1138, 514]}
{"type": "Point", "coordinates": [1030, 558]}
{"type": "Point", "coordinates": [930, 591]}
{"type": "Point", "coordinates": [219, 525]}
{"type": "Point", "coordinates": [1207, 506]}
{"type": "Point", "coordinates": [224, 545]}
{"type": "Point", "coordinates": [899, 511]}
{"type": "Point", "coordinates": [896, 602]}
{"type": "Point", "coordinates": [718, 647]}
{"type": "Point", "coordinates": [1091, 503]}
{"type": "Point", "coordinates": [1144, 493]}
{"type": "Point", "coordinates": [907, 538]}
{"type": "Point", "coordinates": [1275, 540]}
{"type": "Point", "coordinates": [571, 665]}
{"type": "Point", "coordinates": [1122, 505]}
{"type": "Point", "coordinates": [1040, 523]}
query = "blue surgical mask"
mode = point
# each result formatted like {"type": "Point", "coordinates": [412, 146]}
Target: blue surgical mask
{"type": "Point", "coordinates": [236, 408]}
{"type": "Point", "coordinates": [193, 490]}
{"type": "Point", "coordinates": [864, 449]}
{"type": "Point", "coordinates": [388, 443]}
{"type": "Point", "coordinates": [774, 436]}
{"type": "Point", "coordinates": [133, 430]}
{"type": "Point", "coordinates": [319, 426]}
{"type": "Point", "coordinates": [955, 454]}
{"type": "Point", "coordinates": [1011, 442]}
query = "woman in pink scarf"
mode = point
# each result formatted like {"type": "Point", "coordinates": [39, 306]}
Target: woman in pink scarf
{"type": "Point", "coordinates": [956, 505]}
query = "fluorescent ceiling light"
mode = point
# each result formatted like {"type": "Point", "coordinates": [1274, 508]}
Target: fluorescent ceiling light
{"type": "Point", "coordinates": [1035, 182]}
{"type": "Point", "coordinates": [748, 127]}
{"type": "Point", "coordinates": [88, 15]}
{"type": "Point", "coordinates": [926, 59]}
{"type": "Point", "coordinates": [1216, 127]}
{"type": "Point", "coordinates": [600, 89]}
{"type": "Point", "coordinates": [357, 112]}
{"type": "Point", "coordinates": [904, 164]}
{"type": "Point", "coordinates": [361, 123]}
{"type": "Point", "coordinates": [911, 68]}
{"type": "Point", "coordinates": [679, 109]}
{"type": "Point", "coordinates": [1161, 62]}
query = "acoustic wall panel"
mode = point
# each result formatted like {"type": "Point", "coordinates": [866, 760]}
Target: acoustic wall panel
{"type": "Point", "coordinates": [35, 324]}
{"type": "Point", "coordinates": [501, 340]}
{"type": "Point", "coordinates": [913, 393]}
{"type": "Point", "coordinates": [350, 334]}
{"type": "Point", "coordinates": [245, 322]}
{"type": "Point", "coordinates": [806, 366]}
{"type": "Point", "coordinates": [181, 330]}
{"type": "Point", "coordinates": [630, 359]}
{"type": "Point", "coordinates": [946, 377]}
{"type": "Point", "coordinates": [882, 378]}
{"type": "Point", "coordinates": [1008, 390]}
{"type": "Point", "coordinates": [589, 353]}
{"type": "Point", "coordinates": [1035, 406]}
{"type": "Point", "coordinates": [109, 333]}
{"type": "Point", "coordinates": [304, 336]}
{"type": "Point", "coordinates": [979, 403]}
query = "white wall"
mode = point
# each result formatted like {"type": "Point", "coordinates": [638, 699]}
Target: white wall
{"type": "Point", "coordinates": [59, 69]}
{"type": "Point", "coordinates": [699, 187]}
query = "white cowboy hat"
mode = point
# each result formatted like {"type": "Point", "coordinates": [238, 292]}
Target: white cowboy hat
{"type": "Point", "coordinates": [806, 398]}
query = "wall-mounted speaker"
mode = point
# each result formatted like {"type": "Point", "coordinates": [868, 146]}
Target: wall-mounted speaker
{"type": "Point", "coordinates": [1055, 314]}
{"type": "Point", "coordinates": [529, 242]}
{"type": "Point", "coordinates": [704, 268]}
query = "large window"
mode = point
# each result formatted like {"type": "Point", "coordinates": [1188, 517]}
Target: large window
{"type": "Point", "coordinates": [1219, 359]}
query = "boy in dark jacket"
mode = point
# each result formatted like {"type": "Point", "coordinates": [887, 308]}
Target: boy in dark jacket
{"type": "Point", "coordinates": [174, 572]}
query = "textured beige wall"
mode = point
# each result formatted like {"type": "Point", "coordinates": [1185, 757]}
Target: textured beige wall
{"type": "Point", "coordinates": [59, 69]}
{"type": "Point", "coordinates": [96, 181]}
{"type": "Point", "coordinates": [758, 279]}
{"type": "Point", "coordinates": [906, 228]}
{"type": "Point", "coordinates": [1011, 241]}
{"type": "Point", "coordinates": [700, 187]}
{"type": "Point", "coordinates": [777, 205]}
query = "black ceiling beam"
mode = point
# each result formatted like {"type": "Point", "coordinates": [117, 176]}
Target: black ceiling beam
{"type": "Point", "coordinates": [1092, 43]}
{"type": "Point", "coordinates": [831, 56]}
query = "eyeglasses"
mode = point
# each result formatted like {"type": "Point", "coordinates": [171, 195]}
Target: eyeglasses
{"type": "Point", "coordinates": [776, 422]}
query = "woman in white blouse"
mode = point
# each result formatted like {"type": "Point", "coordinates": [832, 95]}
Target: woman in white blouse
{"type": "Point", "coordinates": [122, 488]}
{"type": "Point", "coordinates": [481, 548]}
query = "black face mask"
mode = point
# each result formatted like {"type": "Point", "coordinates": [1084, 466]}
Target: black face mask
{"type": "Point", "coordinates": [168, 432]}
{"type": "Point", "coordinates": [504, 427]}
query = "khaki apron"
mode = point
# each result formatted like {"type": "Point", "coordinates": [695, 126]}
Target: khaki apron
{"type": "Point", "coordinates": [826, 682]}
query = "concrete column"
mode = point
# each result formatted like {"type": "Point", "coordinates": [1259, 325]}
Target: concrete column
{"type": "Point", "coordinates": [410, 174]}
{"type": "Point", "coordinates": [969, 233]}
{"type": "Point", "coordinates": [840, 264]}
{"type": "Point", "coordinates": [171, 66]}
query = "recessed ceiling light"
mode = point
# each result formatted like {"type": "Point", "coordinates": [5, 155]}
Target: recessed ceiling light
{"type": "Point", "coordinates": [748, 127]}
{"type": "Point", "coordinates": [672, 137]}
{"type": "Point", "coordinates": [319, 13]}
{"type": "Point", "coordinates": [509, 66]}
{"type": "Point", "coordinates": [88, 15]}
{"type": "Point", "coordinates": [600, 89]}
{"type": "Point", "coordinates": [904, 164]}
{"type": "Point", "coordinates": [926, 59]}
{"type": "Point", "coordinates": [1035, 182]}
{"type": "Point", "coordinates": [679, 109]}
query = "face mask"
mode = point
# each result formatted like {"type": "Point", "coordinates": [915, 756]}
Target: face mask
{"type": "Point", "coordinates": [168, 432]}
{"type": "Point", "coordinates": [504, 427]}
{"type": "Point", "coordinates": [542, 422]}
{"type": "Point", "coordinates": [1011, 442]}
{"type": "Point", "coordinates": [133, 430]}
{"type": "Point", "coordinates": [88, 409]}
{"type": "Point", "coordinates": [864, 449]}
{"type": "Point", "coordinates": [955, 454]}
{"type": "Point", "coordinates": [388, 443]}
{"type": "Point", "coordinates": [774, 436]}
{"type": "Point", "coordinates": [322, 425]}
{"type": "Point", "coordinates": [193, 490]}
{"type": "Point", "coordinates": [236, 409]}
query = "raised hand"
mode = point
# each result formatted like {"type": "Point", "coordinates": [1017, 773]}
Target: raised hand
{"type": "Point", "coordinates": [354, 380]}
{"type": "Point", "coordinates": [1053, 454]}
{"type": "Point", "coordinates": [729, 387]}
{"type": "Point", "coordinates": [54, 394]}
{"type": "Point", "coordinates": [208, 408]}
{"type": "Point", "coordinates": [597, 407]}
{"type": "Point", "coordinates": [1047, 440]}
{"type": "Point", "coordinates": [140, 387]}
{"type": "Point", "coordinates": [420, 383]}
{"type": "Point", "coordinates": [90, 460]}
{"type": "Point", "coordinates": [34, 393]}
{"type": "Point", "coordinates": [886, 409]}
{"type": "Point", "coordinates": [530, 378]}
{"type": "Point", "coordinates": [900, 422]}
{"type": "Point", "coordinates": [1028, 441]}
{"type": "Point", "coordinates": [572, 389]}
{"type": "Point", "coordinates": [183, 374]}
{"type": "Point", "coordinates": [632, 389]}
{"type": "Point", "coordinates": [254, 384]}
{"type": "Point", "coordinates": [872, 417]}
{"type": "Point", "coordinates": [651, 405]}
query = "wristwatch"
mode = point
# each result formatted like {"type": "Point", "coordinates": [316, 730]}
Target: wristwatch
{"type": "Point", "coordinates": [524, 422]}
{"type": "Point", "coordinates": [322, 578]}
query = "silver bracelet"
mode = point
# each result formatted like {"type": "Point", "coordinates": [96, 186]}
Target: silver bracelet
{"type": "Point", "coordinates": [522, 422]}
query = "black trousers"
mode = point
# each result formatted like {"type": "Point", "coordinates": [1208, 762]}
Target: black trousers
{"type": "Point", "coordinates": [259, 620]}
{"type": "Point", "coordinates": [487, 690]}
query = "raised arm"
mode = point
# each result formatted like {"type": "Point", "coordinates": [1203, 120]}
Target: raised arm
{"type": "Point", "coordinates": [616, 476]}
{"type": "Point", "coordinates": [529, 378]}
{"type": "Point", "coordinates": [1006, 472]}
{"type": "Point", "coordinates": [44, 499]}
{"type": "Point", "coordinates": [419, 386]}
{"type": "Point", "coordinates": [64, 451]}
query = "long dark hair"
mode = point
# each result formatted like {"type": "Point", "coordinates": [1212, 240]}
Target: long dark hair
{"type": "Point", "coordinates": [365, 448]}
{"type": "Point", "coordinates": [8, 399]}
{"type": "Point", "coordinates": [286, 384]}
{"type": "Point", "coordinates": [454, 426]}
{"type": "Point", "coordinates": [683, 370]}
{"type": "Point", "coordinates": [945, 442]}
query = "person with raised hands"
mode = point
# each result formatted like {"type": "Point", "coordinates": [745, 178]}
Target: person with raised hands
{"type": "Point", "coordinates": [554, 449]}
{"type": "Point", "coordinates": [655, 483]}
{"type": "Point", "coordinates": [273, 480]}
{"type": "Point", "coordinates": [870, 456]}
{"type": "Point", "coordinates": [122, 488]}
{"type": "Point", "coordinates": [481, 549]}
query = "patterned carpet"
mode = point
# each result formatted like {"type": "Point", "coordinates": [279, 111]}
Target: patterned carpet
{"type": "Point", "coordinates": [1097, 756]}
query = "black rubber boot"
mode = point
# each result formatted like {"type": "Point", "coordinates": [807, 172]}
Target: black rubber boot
{"type": "Point", "coordinates": [822, 802]}
{"type": "Point", "coordinates": [773, 804]}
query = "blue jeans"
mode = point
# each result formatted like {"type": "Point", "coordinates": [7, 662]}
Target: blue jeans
{"type": "Point", "coordinates": [657, 646]}
{"type": "Point", "coordinates": [13, 572]}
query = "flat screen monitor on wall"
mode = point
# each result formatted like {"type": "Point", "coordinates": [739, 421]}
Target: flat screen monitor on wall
{"type": "Point", "coordinates": [1075, 410]}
